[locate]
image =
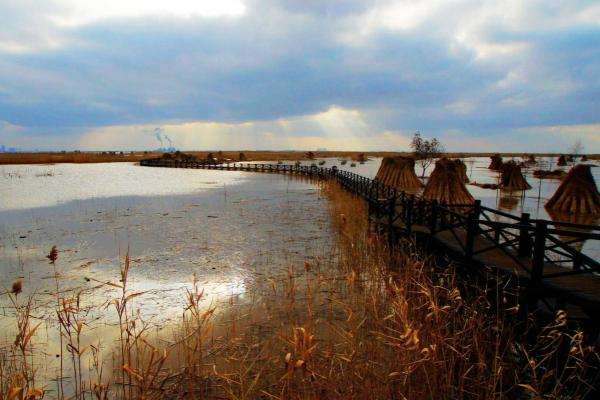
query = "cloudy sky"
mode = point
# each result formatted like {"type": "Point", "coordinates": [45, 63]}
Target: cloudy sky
{"type": "Point", "coordinates": [275, 74]}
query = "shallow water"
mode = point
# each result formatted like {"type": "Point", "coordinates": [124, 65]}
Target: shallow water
{"type": "Point", "coordinates": [33, 186]}
{"type": "Point", "coordinates": [229, 230]}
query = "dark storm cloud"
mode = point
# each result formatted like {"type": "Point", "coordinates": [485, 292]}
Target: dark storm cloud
{"type": "Point", "coordinates": [257, 67]}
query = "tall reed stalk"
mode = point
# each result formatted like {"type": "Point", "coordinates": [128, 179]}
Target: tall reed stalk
{"type": "Point", "coordinates": [358, 321]}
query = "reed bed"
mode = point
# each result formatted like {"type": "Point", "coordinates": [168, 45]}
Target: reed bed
{"type": "Point", "coordinates": [360, 321]}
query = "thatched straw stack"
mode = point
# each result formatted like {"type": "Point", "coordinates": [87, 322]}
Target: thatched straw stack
{"type": "Point", "coordinates": [512, 178]}
{"type": "Point", "coordinates": [562, 161]}
{"type": "Point", "coordinates": [577, 194]}
{"type": "Point", "coordinates": [580, 219]}
{"type": "Point", "coordinates": [398, 172]}
{"type": "Point", "coordinates": [531, 159]}
{"type": "Point", "coordinates": [496, 163]}
{"type": "Point", "coordinates": [462, 169]}
{"type": "Point", "coordinates": [446, 186]}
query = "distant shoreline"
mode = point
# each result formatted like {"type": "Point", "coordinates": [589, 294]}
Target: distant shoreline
{"type": "Point", "coordinates": [250, 155]}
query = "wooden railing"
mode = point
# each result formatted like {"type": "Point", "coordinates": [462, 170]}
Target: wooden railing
{"type": "Point", "coordinates": [536, 247]}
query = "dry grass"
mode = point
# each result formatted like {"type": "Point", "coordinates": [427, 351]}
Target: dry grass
{"type": "Point", "coordinates": [360, 322]}
{"type": "Point", "coordinates": [73, 157]}
{"type": "Point", "coordinates": [100, 157]}
{"type": "Point", "coordinates": [96, 157]}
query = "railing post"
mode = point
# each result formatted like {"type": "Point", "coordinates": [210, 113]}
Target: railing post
{"type": "Point", "coordinates": [577, 261]}
{"type": "Point", "coordinates": [409, 213]}
{"type": "Point", "coordinates": [539, 248]}
{"type": "Point", "coordinates": [524, 237]}
{"type": "Point", "coordinates": [433, 216]}
{"type": "Point", "coordinates": [472, 228]}
{"type": "Point", "coordinates": [421, 212]}
{"type": "Point", "coordinates": [391, 213]}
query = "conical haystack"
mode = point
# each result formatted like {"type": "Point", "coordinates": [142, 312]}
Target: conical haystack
{"type": "Point", "coordinates": [445, 184]}
{"type": "Point", "coordinates": [496, 163]}
{"type": "Point", "coordinates": [398, 172]}
{"type": "Point", "coordinates": [580, 219]}
{"type": "Point", "coordinates": [462, 170]}
{"type": "Point", "coordinates": [562, 161]}
{"type": "Point", "coordinates": [577, 194]}
{"type": "Point", "coordinates": [512, 178]}
{"type": "Point", "coordinates": [531, 159]}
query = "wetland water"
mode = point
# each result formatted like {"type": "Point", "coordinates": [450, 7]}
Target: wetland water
{"type": "Point", "coordinates": [233, 231]}
{"type": "Point", "coordinates": [230, 230]}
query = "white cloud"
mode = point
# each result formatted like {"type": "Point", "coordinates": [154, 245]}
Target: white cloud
{"type": "Point", "coordinates": [78, 12]}
{"type": "Point", "coordinates": [35, 25]}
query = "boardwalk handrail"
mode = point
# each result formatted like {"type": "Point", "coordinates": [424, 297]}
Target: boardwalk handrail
{"type": "Point", "coordinates": [534, 245]}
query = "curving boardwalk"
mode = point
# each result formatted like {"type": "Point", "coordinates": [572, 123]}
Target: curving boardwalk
{"type": "Point", "coordinates": [544, 256]}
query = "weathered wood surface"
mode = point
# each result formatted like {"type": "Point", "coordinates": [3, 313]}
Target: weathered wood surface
{"type": "Point", "coordinates": [544, 255]}
{"type": "Point", "coordinates": [585, 290]}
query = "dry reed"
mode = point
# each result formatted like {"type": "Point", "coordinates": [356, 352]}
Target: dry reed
{"type": "Point", "coordinates": [362, 321]}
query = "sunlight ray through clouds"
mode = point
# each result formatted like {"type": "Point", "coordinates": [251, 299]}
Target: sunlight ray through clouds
{"type": "Point", "coordinates": [334, 129]}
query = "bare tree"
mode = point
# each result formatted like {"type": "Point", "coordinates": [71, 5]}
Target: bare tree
{"type": "Point", "coordinates": [425, 150]}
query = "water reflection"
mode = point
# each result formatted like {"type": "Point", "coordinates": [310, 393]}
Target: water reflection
{"type": "Point", "coordinates": [229, 230]}
{"type": "Point", "coordinates": [508, 201]}
{"type": "Point", "coordinates": [62, 183]}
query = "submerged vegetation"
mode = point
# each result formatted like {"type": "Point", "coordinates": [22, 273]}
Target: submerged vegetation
{"type": "Point", "coordinates": [358, 321]}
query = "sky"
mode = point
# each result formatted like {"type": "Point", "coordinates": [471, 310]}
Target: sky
{"type": "Point", "coordinates": [510, 75]}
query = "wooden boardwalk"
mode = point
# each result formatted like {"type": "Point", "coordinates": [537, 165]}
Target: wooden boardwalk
{"type": "Point", "coordinates": [584, 291]}
{"type": "Point", "coordinates": [544, 256]}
